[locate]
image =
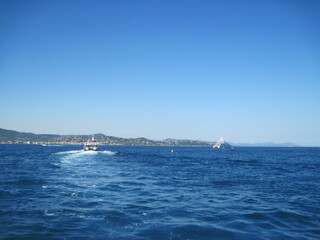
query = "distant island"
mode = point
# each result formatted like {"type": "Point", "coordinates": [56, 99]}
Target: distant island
{"type": "Point", "coordinates": [14, 137]}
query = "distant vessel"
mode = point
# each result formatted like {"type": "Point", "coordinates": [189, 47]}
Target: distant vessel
{"type": "Point", "coordinates": [92, 145]}
{"type": "Point", "coordinates": [222, 144]}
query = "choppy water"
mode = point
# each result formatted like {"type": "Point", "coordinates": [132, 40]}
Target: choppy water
{"type": "Point", "coordinates": [61, 192]}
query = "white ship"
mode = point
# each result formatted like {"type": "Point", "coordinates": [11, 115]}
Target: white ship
{"type": "Point", "coordinates": [91, 145]}
{"type": "Point", "coordinates": [222, 144]}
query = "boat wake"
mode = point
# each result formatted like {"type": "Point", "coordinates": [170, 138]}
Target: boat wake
{"type": "Point", "coordinates": [82, 152]}
{"type": "Point", "coordinates": [81, 155]}
{"type": "Point", "coordinates": [68, 152]}
{"type": "Point", "coordinates": [107, 152]}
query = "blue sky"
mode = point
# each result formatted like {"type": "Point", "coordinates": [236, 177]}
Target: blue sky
{"type": "Point", "coordinates": [248, 71]}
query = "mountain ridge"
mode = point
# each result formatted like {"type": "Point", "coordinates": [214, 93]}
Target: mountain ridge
{"type": "Point", "coordinates": [12, 136]}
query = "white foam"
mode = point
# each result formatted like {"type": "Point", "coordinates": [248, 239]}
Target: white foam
{"type": "Point", "coordinates": [47, 213]}
{"type": "Point", "coordinates": [65, 161]}
{"type": "Point", "coordinates": [88, 152]}
{"type": "Point", "coordinates": [85, 152]}
{"type": "Point", "coordinates": [70, 152]}
{"type": "Point", "coordinates": [74, 195]}
{"type": "Point", "coordinates": [48, 186]}
{"type": "Point", "coordinates": [69, 157]}
{"type": "Point", "coordinates": [108, 152]}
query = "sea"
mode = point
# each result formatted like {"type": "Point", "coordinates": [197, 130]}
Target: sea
{"type": "Point", "coordinates": [140, 193]}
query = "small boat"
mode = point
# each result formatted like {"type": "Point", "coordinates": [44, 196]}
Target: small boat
{"type": "Point", "coordinates": [222, 144]}
{"type": "Point", "coordinates": [92, 145]}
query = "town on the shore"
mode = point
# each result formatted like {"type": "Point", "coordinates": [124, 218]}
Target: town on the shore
{"type": "Point", "coordinates": [14, 137]}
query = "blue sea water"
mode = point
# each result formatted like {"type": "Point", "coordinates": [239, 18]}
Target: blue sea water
{"type": "Point", "coordinates": [121, 192]}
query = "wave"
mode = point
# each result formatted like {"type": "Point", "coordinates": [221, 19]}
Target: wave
{"type": "Point", "coordinates": [108, 152]}
{"type": "Point", "coordinates": [48, 213]}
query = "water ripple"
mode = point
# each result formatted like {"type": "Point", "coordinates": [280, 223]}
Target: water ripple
{"type": "Point", "coordinates": [63, 192]}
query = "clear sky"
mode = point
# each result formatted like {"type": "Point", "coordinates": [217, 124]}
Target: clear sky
{"type": "Point", "coordinates": [248, 71]}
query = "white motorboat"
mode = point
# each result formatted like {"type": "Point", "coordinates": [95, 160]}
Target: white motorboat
{"type": "Point", "coordinates": [92, 145]}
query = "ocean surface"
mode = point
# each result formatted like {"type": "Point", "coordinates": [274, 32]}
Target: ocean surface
{"type": "Point", "coordinates": [121, 192]}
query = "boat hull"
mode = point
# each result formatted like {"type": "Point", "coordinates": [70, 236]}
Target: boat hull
{"type": "Point", "coordinates": [91, 148]}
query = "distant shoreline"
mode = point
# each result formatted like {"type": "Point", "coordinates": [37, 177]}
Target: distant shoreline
{"type": "Point", "coordinates": [15, 137]}
{"type": "Point", "coordinates": [182, 146]}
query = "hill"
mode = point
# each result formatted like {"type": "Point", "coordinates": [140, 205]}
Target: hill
{"type": "Point", "coordinates": [11, 136]}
